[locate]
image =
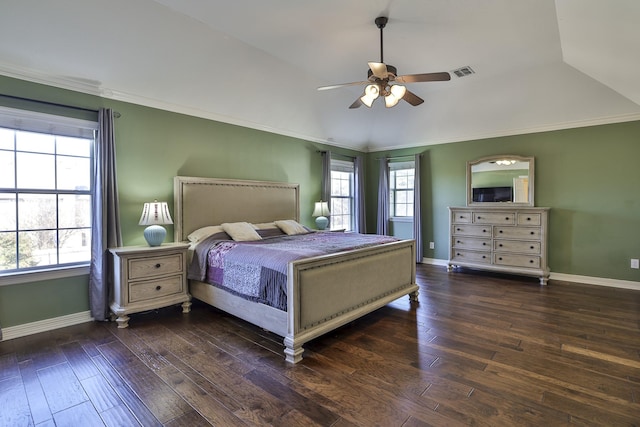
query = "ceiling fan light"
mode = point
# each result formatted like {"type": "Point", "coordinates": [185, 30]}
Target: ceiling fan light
{"type": "Point", "coordinates": [371, 92]}
{"type": "Point", "coordinates": [396, 92]}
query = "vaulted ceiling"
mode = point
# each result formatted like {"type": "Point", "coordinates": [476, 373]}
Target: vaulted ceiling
{"type": "Point", "coordinates": [539, 64]}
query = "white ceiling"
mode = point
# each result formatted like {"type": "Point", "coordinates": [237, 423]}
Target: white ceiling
{"type": "Point", "coordinates": [539, 64]}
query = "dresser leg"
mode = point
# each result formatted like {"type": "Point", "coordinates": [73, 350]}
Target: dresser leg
{"type": "Point", "coordinates": [186, 306]}
{"type": "Point", "coordinates": [122, 321]}
{"type": "Point", "coordinates": [544, 280]}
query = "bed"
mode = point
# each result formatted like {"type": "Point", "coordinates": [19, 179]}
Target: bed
{"type": "Point", "coordinates": [323, 292]}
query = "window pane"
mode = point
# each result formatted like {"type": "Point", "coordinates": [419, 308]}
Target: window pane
{"type": "Point", "coordinates": [74, 173]}
{"type": "Point", "coordinates": [36, 211]}
{"type": "Point", "coordinates": [6, 138]}
{"type": "Point", "coordinates": [73, 146]}
{"type": "Point", "coordinates": [35, 142]}
{"type": "Point", "coordinates": [7, 212]}
{"type": "Point", "coordinates": [36, 171]}
{"type": "Point", "coordinates": [7, 170]}
{"type": "Point", "coordinates": [37, 248]}
{"type": "Point", "coordinates": [74, 211]}
{"type": "Point", "coordinates": [75, 245]}
{"type": "Point", "coordinates": [8, 259]}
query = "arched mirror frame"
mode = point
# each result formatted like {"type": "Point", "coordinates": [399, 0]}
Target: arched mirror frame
{"type": "Point", "coordinates": [470, 164]}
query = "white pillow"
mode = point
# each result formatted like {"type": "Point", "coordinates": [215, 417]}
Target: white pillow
{"type": "Point", "coordinates": [291, 227]}
{"type": "Point", "coordinates": [241, 231]}
{"type": "Point", "coordinates": [265, 226]}
{"type": "Point", "coordinates": [204, 232]}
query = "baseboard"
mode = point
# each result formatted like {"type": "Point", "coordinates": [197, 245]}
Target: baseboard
{"type": "Point", "coordinates": [587, 280]}
{"type": "Point", "coordinates": [45, 325]}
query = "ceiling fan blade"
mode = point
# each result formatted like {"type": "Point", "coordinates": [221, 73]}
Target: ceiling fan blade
{"type": "Point", "coordinates": [412, 98]}
{"type": "Point", "coordinates": [357, 103]}
{"type": "Point", "coordinates": [342, 85]}
{"type": "Point", "coordinates": [378, 69]}
{"type": "Point", "coordinates": [426, 77]}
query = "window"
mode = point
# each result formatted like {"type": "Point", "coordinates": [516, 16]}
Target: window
{"type": "Point", "coordinates": [45, 191]}
{"type": "Point", "coordinates": [401, 180]}
{"type": "Point", "coordinates": [342, 195]}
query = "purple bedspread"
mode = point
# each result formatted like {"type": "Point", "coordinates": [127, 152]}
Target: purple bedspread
{"type": "Point", "coordinates": [257, 270]}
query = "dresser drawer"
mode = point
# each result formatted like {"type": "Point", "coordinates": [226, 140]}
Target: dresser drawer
{"type": "Point", "coordinates": [471, 230]}
{"type": "Point", "coordinates": [463, 242]}
{"type": "Point", "coordinates": [524, 233]}
{"type": "Point", "coordinates": [470, 256]}
{"type": "Point", "coordinates": [529, 218]}
{"type": "Point", "coordinates": [141, 268]}
{"type": "Point", "coordinates": [517, 260]}
{"type": "Point", "coordinates": [460, 217]}
{"type": "Point", "coordinates": [151, 289]}
{"type": "Point", "coordinates": [516, 246]}
{"type": "Point", "coordinates": [494, 218]}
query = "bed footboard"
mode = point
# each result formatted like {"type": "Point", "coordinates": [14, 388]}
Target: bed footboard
{"type": "Point", "coordinates": [333, 290]}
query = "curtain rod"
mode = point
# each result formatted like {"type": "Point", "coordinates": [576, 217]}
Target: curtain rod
{"type": "Point", "coordinates": [408, 156]}
{"type": "Point", "coordinates": [55, 104]}
{"type": "Point", "coordinates": [334, 153]}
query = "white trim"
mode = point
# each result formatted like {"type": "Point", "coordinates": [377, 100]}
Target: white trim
{"type": "Point", "coordinates": [42, 275]}
{"type": "Point", "coordinates": [45, 325]}
{"type": "Point", "coordinates": [585, 280]}
{"type": "Point", "coordinates": [599, 281]}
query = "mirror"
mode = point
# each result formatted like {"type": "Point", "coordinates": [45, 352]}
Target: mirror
{"type": "Point", "coordinates": [500, 180]}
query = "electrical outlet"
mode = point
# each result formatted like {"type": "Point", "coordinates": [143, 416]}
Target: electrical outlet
{"type": "Point", "coordinates": [432, 245]}
{"type": "Point", "coordinates": [635, 263]}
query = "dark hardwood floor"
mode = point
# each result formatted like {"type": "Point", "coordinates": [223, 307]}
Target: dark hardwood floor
{"type": "Point", "coordinates": [478, 349]}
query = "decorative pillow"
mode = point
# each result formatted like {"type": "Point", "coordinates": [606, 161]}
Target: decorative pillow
{"type": "Point", "coordinates": [265, 226]}
{"type": "Point", "coordinates": [241, 231]}
{"type": "Point", "coordinates": [291, 227]}
{"type": "Point", "coordinates": [204, 232]}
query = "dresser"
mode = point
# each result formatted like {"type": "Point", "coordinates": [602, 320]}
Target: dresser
{"type": "Point", "coordinates": [503, 239]}
{"type": "Point", "coordinates": [146, 278]}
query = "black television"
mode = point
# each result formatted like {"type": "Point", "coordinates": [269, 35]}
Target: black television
{"type": "Point", "coordinates": [493, 194]}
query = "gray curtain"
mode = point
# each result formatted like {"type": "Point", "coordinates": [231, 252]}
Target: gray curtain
{"type": "Point", "coordinates": [417, 210]}
{"type": "Point", "coordinates": [358, 175]}
{"type": "Point", "coordinates": [325, 190]}
{"type": "Point", "coordinates": [383, 198]}
{"type": "Point", "coordinates": [105, 225]}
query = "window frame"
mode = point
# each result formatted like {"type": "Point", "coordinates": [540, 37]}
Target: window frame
{"type": "Point", "coordinates": [19, 120]}
{"type": "Point", "coordinates": [343, 166]}
{"type": "Point", "coordinates": [393, 191]}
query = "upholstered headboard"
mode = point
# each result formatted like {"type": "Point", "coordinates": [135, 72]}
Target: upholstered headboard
{"type": "Point", "coordinates": [199, 202]}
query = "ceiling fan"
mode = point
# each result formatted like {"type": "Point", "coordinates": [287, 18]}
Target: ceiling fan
{"type": "Point", "coordinates": [383, 78]}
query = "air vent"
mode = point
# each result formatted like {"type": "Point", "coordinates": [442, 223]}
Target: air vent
{"type": "Point", "coordinates": [464, 71]}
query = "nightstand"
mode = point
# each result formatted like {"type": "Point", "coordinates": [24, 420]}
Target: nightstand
{"type": "Point", "coordinates": [146, 278]}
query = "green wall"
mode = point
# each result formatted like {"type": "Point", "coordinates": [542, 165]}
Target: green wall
{"type": "Point", "coordinates": [588, 176]}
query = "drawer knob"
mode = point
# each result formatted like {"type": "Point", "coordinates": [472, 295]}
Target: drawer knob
{"type": "Point", "coordinates": [531, 261]}
{"type": "Point", "coordinates": [458, 254]}
{"type": "Point", "coordinates": [158, 287]}
{"type": "Point", "coordinates": [530, 247]}
{"type": "Point", "coordinates": [484, 231]}
{"type": "Point", "coordinates": [484, 243]}
{"type": "Point", "coordinates": [500, 258]}
{"type": "Point", "coordinates": [158, 265]}
{"type": "Point", "coordinates": [500, 231]}
{"type": "Point", "coordinates": [457, 229]}
{"type": "Point", "coordinates": [506, 218]}
{"type": "Point", "coordinates": [528, 219]}
{"type": "Point", "coordinates": [532, 233]}
{"type": "Point", "coordinates": [500, 245]}
{"type": "Point", "coordinates": [461, 216]}
{"type": "Point", "coordinates": [484, 256]}
{"type": "Point", "coordinates": [457, 241]}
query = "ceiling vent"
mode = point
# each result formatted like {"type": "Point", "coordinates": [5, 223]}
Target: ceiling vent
{"type": "Point", "coordinates": [464, 71]}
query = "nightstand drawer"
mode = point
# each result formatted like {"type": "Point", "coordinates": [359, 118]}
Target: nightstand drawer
{"type": "Point", "coordinates": [155, 288]}
{"type": "Point", "coordinates": [141, 268]}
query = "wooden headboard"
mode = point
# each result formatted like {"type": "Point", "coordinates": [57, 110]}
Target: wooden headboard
{"type": "Point", "coordinates": [199, 202]}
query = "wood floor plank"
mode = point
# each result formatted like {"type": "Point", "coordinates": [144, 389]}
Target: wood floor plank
{"type": "Point", "coordinates": [15, 409]}
{"type": "Point", "coordinates": [61, 387]}
{"type": "Point", "coordinates": [40, 411]}
{"type": "Point", "coordinates": [83, 414]}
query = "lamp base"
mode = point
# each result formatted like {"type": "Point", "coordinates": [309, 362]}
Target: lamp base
{"type": "Point", "coordinates": [155, 234]}
{"type": "Point", "coordinates": [322, 222]}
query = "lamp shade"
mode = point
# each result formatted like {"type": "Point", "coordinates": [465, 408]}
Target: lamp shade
{"type": "Point", "coordinates": [155, 214]}
{"type": "Point", "coordinates": [321, 210]}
